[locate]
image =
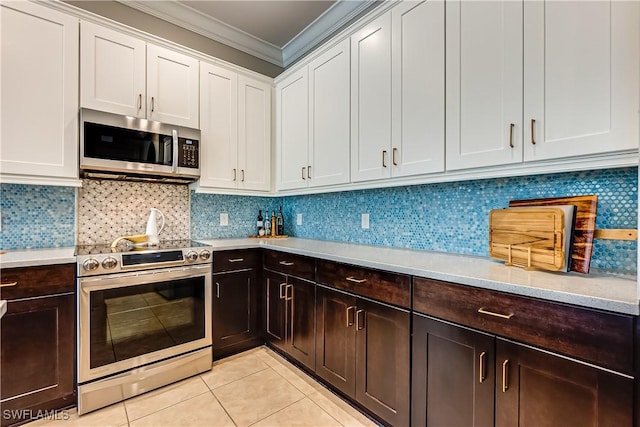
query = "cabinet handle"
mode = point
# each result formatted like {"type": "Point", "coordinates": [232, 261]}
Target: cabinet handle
{"type": "Point", "coordinates": [217, 290]}
{"type": "Point", "coordinates": [236, 259]}
{"type": "Point", "coordinates": [242, 173]}
{"type": "Point", "coordinates": [533, 139]}
{"type": "Point", "coordinates": [393, 157]}
{"type": "Point", "coordinates": [235, 174]}
{"type": "Point", "coordinates": [350, 315]}
{"type": "Point", "coordinates": [282, 295]}
{"type": "Point", "coordinates": [286, 263]}
{"type": "Point", "coordinates": [505, 376]}
{"type": "Point", "coordinates": [511, 126]}
{"type": "Point", "coordinates": [8, 284]}
{"type": "Point", "coordinates": [483, 374]}
{"type": "Point", "coordinates": [494, 314]}
{"type": "Point", "coordinates": [303, 170]}
{"type": "Point", "coordinates": [153, 104]}
{"type": "Point", "coordinates": [286, 294]}
{"type": "Point", "coordinates": [354, 280]}
{"type": "Point", "coordinates": [309, 171]}
{"type": "Point", "coordinates": [384, 158]}
{"type": "Point", "coordinates": [139, 101]}
{"type": "Point", "coordinates": [358, 326]}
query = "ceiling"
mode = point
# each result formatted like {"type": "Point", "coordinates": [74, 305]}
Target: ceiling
{"type": "Point", "coordinates": [278, 31]}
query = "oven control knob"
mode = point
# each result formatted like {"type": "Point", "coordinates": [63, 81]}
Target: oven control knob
{"type": "Point", "coordinates": [90, 264]}
{"type": "Point", "coordinates": [205, 254]}
{"type": "Point", "coordinates": [109, 263]}
{"type": "Point", "coordinates": [192, 256]}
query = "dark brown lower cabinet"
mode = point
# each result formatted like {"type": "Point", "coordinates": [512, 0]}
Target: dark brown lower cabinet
{"type": "Point", "coordinates": [235, 312]}
{"type": "Point", "coordinates": [536, 388]}
{"type": "Point", "coordinates": [290, 316]}
{"type": "Point", "coordinates": [453, 375]}
{"type": "Point", "coordinates": [363, 350]}
{"type": "Point", "coordinates": [37, 357]}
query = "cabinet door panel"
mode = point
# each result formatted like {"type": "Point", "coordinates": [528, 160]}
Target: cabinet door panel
{"type": "Point", "coordinates": [219, 126]}
{"type": "Point", "coordinates": [453, 375]}
{"type": "Point", "coordinates": [371, 101]}
{"type": "Point", "coordinates": [335, 339]}
{"type": "Point", "coordinates": [484, 83]}
{"type": "Point", "coordinates": [383, 361]}
{"type": "Point", "coordinates": [234, 308]}
{"type": "Point", "coordinates": [581, 78]}
{"type": "Point", "coordinates": [329, 101]}
{"type": "Point", "coordinates": [301, 328]}
{"type": "Point", "coordinates": [275, 309]}
{"type": "Point", "coordinates": [541, 389]}
{"type": "Point", "coordinates": [254, 134]}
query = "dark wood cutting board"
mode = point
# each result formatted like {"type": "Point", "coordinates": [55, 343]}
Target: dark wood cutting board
{"type": "Point", "coordinates": [585, 227]}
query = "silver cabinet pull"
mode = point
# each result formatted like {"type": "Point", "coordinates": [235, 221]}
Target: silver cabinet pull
{"type": "Point", "coordinates": [511, 126]}
{"type": "Point", "coordinates": [235, 175]}
{"type": "Point", "coordinates": [303, 170]}
{"type": "Point", "coordinates": [217, 290]}
{"type": "Point", "coordinates": [494, 314]}
{"type": "Point", "coordinates": [533, 124]}
{"type": "Point", "coordinates": [309, 171]}
{"type": "Point", "coordinates": [481, 369]}
{"type": "Point", "coordinates": [505, 376]}
{"type": "Point", "coordinates": [350, 315]}
{"type": "Point", "coordinates": [282, 295]}
{"type": "Point", "coordinates": [242, 173]}
{"type": "Point", "coordinates": [393, 157]}
{"type": "Point", "coordinates": [354, 280]}
{"type": "Point", "coordinates": [139, 101]}
{"type": "Point", "coordinates": [358, 326]}
{"type": "Point", "coordinates": [8, 284]}
{"type": "Point", "coordinates": [286, 294]}
{"type": "Point", "coordinates": [286, 263]}
{"type": "Point", "coordinates": [236, 259]}
{"type": "Point", "coordinates": [153, 104]}
{"type": "Point", "coordinates": [384, 158]}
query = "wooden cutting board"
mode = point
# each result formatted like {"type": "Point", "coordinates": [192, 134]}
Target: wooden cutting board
{"type": "Point", "coordinates": [528, 237]}
{"type": "Point", "coordinates": [585, 226]}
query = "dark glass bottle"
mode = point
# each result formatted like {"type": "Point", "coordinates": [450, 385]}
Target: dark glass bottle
{"type": "Point", "coordinates": [280, 222]}
{"type": "Point", "coordinates": [260, 222]}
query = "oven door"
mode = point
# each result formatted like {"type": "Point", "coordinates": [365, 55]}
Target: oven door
{"type": "Point", "coordinates": [132, 319]}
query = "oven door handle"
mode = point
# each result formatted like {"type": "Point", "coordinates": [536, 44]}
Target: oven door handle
{"type": "Point", "coordinates": [96, 283]}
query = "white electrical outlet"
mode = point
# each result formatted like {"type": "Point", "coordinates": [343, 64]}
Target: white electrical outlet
{"type": "Point", "coordinates": [299, 219]}
{"type": "Point", "coordinates": [224, 219]}
{"type": "Point", "coordinates": [365, 221]}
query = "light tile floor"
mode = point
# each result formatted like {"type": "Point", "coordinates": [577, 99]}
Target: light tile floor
{"type": "Point", "coordinates": [254, 388]}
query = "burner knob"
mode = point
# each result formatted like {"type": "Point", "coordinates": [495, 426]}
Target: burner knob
{"type": "Point", "coordinates": [90, 264]}
{"type": "Point", "coordinates": [192, 256]}
{"type": "Point", "coordinates": [205, 254]}
{"type": "Point", "coordinates": [109, 263]}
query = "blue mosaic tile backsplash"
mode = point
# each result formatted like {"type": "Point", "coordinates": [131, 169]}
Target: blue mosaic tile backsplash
{"type": "Point", "coordinates": [36, 216]}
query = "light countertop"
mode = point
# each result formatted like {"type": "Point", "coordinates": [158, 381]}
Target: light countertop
{"type": "Point", "coordinates": [610, 292]}
{"type": "Point", "coordinates": [31, 257]}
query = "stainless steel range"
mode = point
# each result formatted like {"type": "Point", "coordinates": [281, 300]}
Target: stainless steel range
{"type": "Point", "coordinates": [144, 319]}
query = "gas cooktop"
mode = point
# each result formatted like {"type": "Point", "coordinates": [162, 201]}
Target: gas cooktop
{"type": "Point", "coordinates": [124, 247]}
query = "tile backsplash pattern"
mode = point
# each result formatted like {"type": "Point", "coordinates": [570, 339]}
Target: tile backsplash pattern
{"type": "Point", "coordinates": [454, 217]}
{"type": "Point", "coordinates": [110, 209]}
{"type": "Point", "coordinates": [35, 216]}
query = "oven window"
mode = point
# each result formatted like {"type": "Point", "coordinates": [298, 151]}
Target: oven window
{"type": "Point", "coordinates": [135, 320]}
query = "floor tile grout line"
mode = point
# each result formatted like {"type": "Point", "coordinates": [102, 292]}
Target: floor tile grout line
{"type": "Point", "coordinates": [326, 412]}
{"type": "Point", "coordinates": [166, 407]}
{"type": "Point", "coordinates": [223, 408]}
{"type": "Point", "coordinates": [282, 376]}
{"type": "Point", "coordinates": [237, 379]}
{"type": "Point", "coordinates": [282, 409]}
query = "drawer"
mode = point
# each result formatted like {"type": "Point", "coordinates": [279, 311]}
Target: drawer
{"type": "Point", "coordinates": [292, 265]}
{"type": "Point", "coordinates": [380, 285]}
{"type": "Point", "coordinates": [235, 260]}
{"type": "Point", "coordinates": [603, 338]}
{"type": "Point", "coordinates": [37, 281]}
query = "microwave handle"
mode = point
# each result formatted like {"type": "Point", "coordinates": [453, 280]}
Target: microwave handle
{"type": "Point", "coordinates": [174, 133]}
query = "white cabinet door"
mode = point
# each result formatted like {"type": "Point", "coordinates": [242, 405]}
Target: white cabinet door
{"type": "Point", "coordinates": [39, 53]}
{"type": "Point", "coordinates": [418, 88]}
{"type": "Point", "coordinates": [581, 77]}
{"type": "Point", "coordinates": [292, 101]}
{"type": "Point", "coordinates": [172, 87]}
{"type": "Point", "coordinates": [484, 83]}
{"type": "Point", "coordinates": [219, 127]}
{"type": "Point", "coordinates": [329, 127]}
{"type": "Point", "coordinates": [371, 101]}
{"type": "Point", "coordinates": [112, 71]}
{"type": "Point", "coordinates": [254, 134]}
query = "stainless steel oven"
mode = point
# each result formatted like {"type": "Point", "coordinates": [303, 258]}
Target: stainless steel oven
{"type": "Point", "coordinates": [144, 321]}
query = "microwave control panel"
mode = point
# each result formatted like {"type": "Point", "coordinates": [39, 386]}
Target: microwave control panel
{"type": "Point", "coordinates": [188, 153]}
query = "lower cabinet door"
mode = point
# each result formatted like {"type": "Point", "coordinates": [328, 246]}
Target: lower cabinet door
{"type": "Point", "coordinates": [235, 305]}
{"type": "Point", "coordinates": [453, 375]}
{"type": "Point", "coordinates": [383, 360]}
{"type": "Point", "coordinates": [301, 325]}
{"type": "Point", "coordinates": [37, 357]}
{"type": "Point", "coordinates": [536, 388]}
{"type": "Point", "coordinates": [275, 315]}
{"type": "Point", "coordinates": [335, 339]}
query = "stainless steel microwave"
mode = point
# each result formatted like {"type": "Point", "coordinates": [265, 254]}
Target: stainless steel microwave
{"type": "Point", "coordinates": [123, 147]}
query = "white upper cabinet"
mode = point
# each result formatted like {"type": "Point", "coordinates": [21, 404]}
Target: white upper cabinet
{"type": "Point", "coordinates": [580, 77]}
{"type": "Point", "coordinates": [121, 74]}
{"type": "Point", "coordinates": [484, 83]}
{"type": "Point", "coordinates": [418, 88]}
{"type": "Point", "coordinates": [235, 118]}
{"type": "Point", "coordinates": [39, 68]}
{"type": "Point", "coordinates": [371, 101]}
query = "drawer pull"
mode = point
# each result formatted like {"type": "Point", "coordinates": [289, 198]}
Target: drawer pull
{"type": "Point", "coordinates": [350, 315]}
{"type": "Point", "coordinates": [505, 376]}
{"type": "Point", "coordinates": [217, 290]}
{"type": "Point", "coordinates": [358, 326]}
{"type": "Point", "coordinates": [286, 263]}
{"type": "Point", "coordinates": [282, 294]}
{"type": "Point", "coordinates": [6, 285]}
{"type": "Point", "coordinates": [491, 313]}
{"type": "Point", "coordinates": [236, 259]}
{"type": "Point", "coordinates": [483, 374]}
{"type": "Point", "coordinates": [289, 298]}
{"type": "Point", "coordinates": [354, 280]}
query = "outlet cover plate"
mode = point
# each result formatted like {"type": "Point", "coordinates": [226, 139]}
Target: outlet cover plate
{"type": "Point", "coordinates": [224, 219]}
{"type": "Point", "coordinates": [299, 219]}
{"type": "Point", "coordinates": [365, 221]}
